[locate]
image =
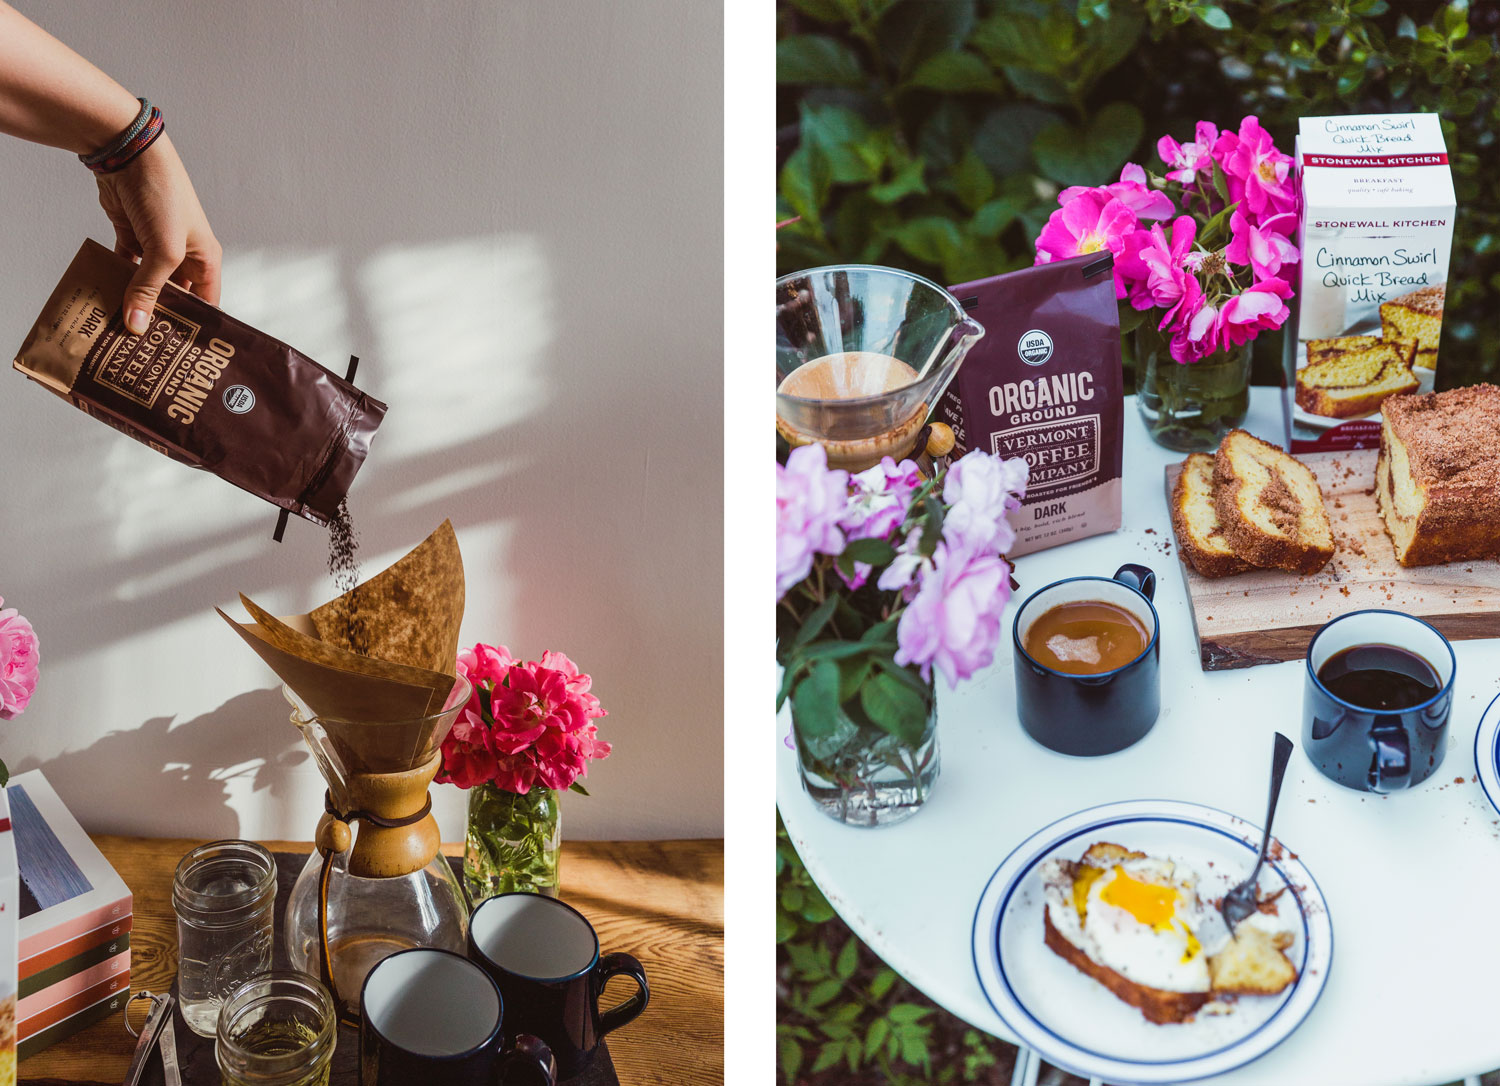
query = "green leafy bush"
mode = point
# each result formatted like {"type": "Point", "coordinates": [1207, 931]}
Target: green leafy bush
{"type": "Point", "coordinates": [936, 134]}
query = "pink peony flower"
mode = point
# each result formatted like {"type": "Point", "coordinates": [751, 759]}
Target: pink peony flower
{"type": "Point", "coordinates": [20, 655]}
{"type": "Point", "coordinates": [536, 728]}
{"type": "Point", "coordinates": [1257, 173]}
{"type": "Point", "coordinates": [1259, 308]}
{"type": "Point", "coordinates": [1091, 222]}
{"type": "Point", "coordinates": [980, 489]}
{"type": "Point", "coordinates": [1186, 160]}
{"type": "Point", "coordinates": [953, 623]}
{"type": "Point", "coordinates": [1264, 248]}
{"type": "Point", "coordinates": [810, 501]}
{"type": "Point", "coordinates": [1131, 190]}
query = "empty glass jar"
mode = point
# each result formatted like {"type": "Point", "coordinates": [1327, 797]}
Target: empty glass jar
{"type": "Point", "coordinates": [277, 1029]}
{"type": "Point", "coordinates": [224, 894]}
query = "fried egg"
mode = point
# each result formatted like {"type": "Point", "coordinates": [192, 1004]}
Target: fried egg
{"type": "Point", "coordinates": [1139, 916]}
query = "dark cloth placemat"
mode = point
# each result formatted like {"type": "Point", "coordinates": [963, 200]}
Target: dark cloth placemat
{"type": "Point", "coordinates": [195, 1055]}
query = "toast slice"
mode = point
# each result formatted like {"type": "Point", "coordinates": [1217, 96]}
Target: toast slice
{"type": "Point", "coordinates": [1158, 1005]}
{"type": "Point", "coordinates": [1253, 963]}
{"type": "Point", "coordinates": [1270, 508]}
{"type": "Point", "coordinates": [1354, 383]}
{"type": "Point", "coordinates": [1195, 521]}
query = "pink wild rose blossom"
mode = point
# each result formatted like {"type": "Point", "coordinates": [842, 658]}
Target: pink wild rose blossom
{"type": "Point", "coordinates": [1186, 160]}
{"type": "Point", "coordinates": [1131, 190]}
{"type": "Point", "coordinates": [980, 489]}
{"type": "Point", "coordinates": [1260, 308]}
{"type": "Point", "coordinates": [1091, 222]}
{"type": "Point", "coordinates": [810, 501]}
{"type": "Point", "coordinates": [1257, 174]}
{"type": "Point", "coordinates": [20, 655]}
{"type": "Point", "coordinates": [1263, 247]}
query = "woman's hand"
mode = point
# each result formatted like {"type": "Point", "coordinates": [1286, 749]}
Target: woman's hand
{"type": "Point", "coordinates": [157, 218]}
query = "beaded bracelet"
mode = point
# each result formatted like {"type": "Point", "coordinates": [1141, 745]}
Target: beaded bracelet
{"type": "Point", "coordinates": [123, 149]}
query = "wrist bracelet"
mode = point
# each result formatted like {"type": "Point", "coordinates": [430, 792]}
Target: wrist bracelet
{"type": "Point", "coordinates": [123, 149]}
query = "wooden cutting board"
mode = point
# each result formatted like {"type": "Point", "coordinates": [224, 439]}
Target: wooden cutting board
{"type": "Point", "coordinates": [1266, 616]}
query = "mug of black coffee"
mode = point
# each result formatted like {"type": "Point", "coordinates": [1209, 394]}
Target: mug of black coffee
{"type": "Point", "coordinates": [1376, 700]}
{"type": "Point", "coordinates": [434, 1017]}
{"type": "Point", "coordinates": [1082, 688]}
{"type": "Point", "coordinates": [544, 956]}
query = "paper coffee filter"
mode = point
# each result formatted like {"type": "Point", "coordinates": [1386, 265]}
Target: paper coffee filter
{"type": "Point", "coordinates": [409, 613]}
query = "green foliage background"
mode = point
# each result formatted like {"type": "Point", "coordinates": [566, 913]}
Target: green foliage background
{"type": "Point", "coordinates": [935, 134]}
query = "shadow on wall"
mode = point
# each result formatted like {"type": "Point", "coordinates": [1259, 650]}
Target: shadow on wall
{"type": "Point", "coordinates": [209, 756]}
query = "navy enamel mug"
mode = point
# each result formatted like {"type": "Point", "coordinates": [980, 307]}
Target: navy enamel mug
{"type": "Point", "coordinates": [1091, 714]}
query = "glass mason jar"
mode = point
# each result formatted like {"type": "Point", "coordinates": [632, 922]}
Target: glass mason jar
{"type": "Point", "coordinates": [224, 895]}
{"type": "Point", "coordinates": [863, 775]}
{"type": "Point", "coordinates": [1189, 406]}
{"type": "Point", "coordinates": [277, 1029]}
{"type": "Point", "coordinates": [514, 842]}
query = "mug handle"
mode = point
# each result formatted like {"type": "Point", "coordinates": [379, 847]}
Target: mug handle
{"type": "Point", "coordinates": [531, 1057]}
{"type": "Point", "coordinates": [1390, 767]}
{"type": "Point", "coordinates": [622, 965]}
{"type": "Point", "coordinates": [1140, 578]}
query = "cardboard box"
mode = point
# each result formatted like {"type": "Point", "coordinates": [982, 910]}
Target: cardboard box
{"type": "Point", "coordinates": [1375, 232]}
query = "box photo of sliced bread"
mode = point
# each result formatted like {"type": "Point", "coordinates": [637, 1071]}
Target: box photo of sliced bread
{"type": "Point", "coordinates": [1375, 233]}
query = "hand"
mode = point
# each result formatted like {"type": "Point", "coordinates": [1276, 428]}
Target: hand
{"type": "Point", "coordinates": [158, 219]}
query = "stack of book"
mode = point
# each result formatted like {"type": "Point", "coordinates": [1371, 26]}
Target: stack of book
{"type": "Point", "coordinates": [75, 911]}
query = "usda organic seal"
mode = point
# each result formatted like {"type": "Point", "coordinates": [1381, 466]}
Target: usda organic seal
{"type": "Point", "coordinates": [240, 399]}
{"type": "Point", "coordinates": [1035, 347]}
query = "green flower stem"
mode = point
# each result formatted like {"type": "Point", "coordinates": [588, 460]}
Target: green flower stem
{"type": "Point", "coordinates": [513, 842]}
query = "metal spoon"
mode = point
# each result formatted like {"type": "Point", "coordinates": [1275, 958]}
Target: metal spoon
{"type": "Point", "coordinates": [1243, 899]}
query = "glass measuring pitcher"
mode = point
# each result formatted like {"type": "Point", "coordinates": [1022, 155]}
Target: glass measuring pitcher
{"type": "Point", "coordinates": [863, 353]}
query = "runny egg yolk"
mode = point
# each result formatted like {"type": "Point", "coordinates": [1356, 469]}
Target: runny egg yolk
{"type": "Point", "coordinates": [1150, 903]}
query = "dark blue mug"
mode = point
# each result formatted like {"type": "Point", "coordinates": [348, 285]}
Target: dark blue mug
{"type": "Point", "coordinates": [544, 956]}
{"type": "Point", "coordinates": [1368, 749]}
{"type": "Point", "coordinates": [434, 1017]}
{"type": "Point", "coordinates": [1091, 714]}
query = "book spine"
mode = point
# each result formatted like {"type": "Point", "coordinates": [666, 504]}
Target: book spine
{"type": "Point", "coordinates": [97, 917]}
{"type": "Point", "coordinates": [63, 951]}
{"type": "Point", "coordinates": [70, 986]}
{"type": "Point", "coordinates": [69, 1026]}
{"type": "Point", "coordinates": [87, 997]}
{"type": "Point", "coordinates": [62, 970]}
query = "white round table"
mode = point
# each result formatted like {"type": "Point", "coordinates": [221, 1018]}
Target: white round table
{"type": "Point", "coordinates": [1412, 880]}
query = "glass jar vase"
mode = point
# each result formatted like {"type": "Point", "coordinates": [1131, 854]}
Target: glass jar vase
{"type": "Point", "coordinates": [863, 774]}
{"type": "Point", "coordinates": [277, 1029]}
{"type": "Point", "coordinates": [513, 844]}
{"type": "Point", "coordinates": [224, 897]}
{"type": "Point", "coordinates": [1189, 406]}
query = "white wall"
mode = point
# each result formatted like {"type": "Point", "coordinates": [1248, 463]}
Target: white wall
{"type": "Point", "coordinates": [512, 211]}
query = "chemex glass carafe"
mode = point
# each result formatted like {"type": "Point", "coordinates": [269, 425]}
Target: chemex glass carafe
{"type": "Point", "coordinates": [863, 355]}
{"type": "Point", "coordinates": [377, 882]}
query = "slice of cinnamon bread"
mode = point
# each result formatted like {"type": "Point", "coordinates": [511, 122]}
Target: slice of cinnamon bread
{"type": "Point", "coordinates": [1270, 507]}
{"type": "Point", "coordinates": [1352, 384]}
{"type": "Point", "coordinates": [1195, 521]}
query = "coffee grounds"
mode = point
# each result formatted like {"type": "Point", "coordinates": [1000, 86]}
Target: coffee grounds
{"type": "Point", "coordinates": [343, 565]}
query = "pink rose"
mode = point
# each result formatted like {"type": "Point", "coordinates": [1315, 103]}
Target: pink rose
{"type": "Point", "coordinates": [1186, 160]}
{"type": "Point", "coordinates": [1091, 222]}
{"type": "Point", "coordinates": [1159, 270]}
{"type": "Point", "coordinates": [980, 490]}
{"type": "Point", "coordinates": [1263, 247]}
{"type": "Point", "coordinates": [1257, 174]}
{"type": "Point", "coordinates": [484, 663]}
{"type": "Point", "coordinates": [1131, 190]}
{"type": "Point", "coordinates": [810, 501]}
{"type": "Point", "coordinates": [1260, 308]}
{"type": "Point", "coordinates": [953, 623]}
{"type": "Point", "coordinates": [20, 654]}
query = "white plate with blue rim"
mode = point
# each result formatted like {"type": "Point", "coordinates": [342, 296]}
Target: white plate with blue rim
{"type": "Point", "coordinates": [1487, 753]}
{"type": "Point", "coordinates": [1076, 1023]}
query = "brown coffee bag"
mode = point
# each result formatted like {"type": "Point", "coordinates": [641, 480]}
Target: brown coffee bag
{"type": "Point", "coordinates": [202, 387]}
{"type": "Point", "coordinates": [1045, 384]}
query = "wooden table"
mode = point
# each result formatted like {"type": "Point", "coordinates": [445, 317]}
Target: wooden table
{"type": "Point", "coordinates": [662, 901]}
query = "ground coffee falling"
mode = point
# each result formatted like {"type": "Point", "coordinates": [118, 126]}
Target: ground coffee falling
{"type": "Point", "coordinates": [343, 564]}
